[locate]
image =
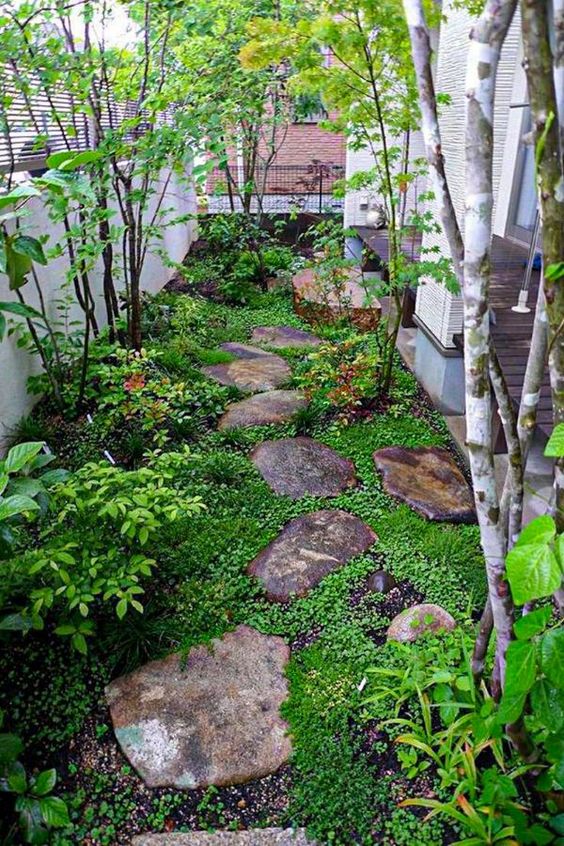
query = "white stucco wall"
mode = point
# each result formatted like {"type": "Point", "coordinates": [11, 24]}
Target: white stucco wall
{"type": "Point", "coordinates": [16, 364]}
{"type": "Point", "coordinates": [359, 160]}
{"type": "Point", "coordinates": [440, 311]}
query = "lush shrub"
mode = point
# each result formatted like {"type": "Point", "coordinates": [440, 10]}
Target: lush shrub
{"type": "Point", "coordinates": [132, 391]}
{"type": "Point", "coordinates": [344, 376]}
{"type": "Point", "coordinates": [93, 550]}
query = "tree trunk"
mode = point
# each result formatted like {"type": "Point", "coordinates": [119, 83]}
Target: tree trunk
{"type": "Point", "coordinates": [486, 40]}
{"type": "Point", "coordinates": [538, 64]}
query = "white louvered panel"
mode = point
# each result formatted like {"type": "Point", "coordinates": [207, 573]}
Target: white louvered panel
{"type": "Point", "coordinates": [42, 121]}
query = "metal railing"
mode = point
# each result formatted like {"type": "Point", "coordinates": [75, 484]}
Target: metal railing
{"type": "Point", "coordinates": [316, 179]}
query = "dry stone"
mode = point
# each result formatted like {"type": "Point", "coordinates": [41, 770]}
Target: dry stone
{"type": "Point", "coordinates": [302, 466]}
{"type": "Point", "coordinates": [261, 373]}
{"type": "Point", "coordinates": [211, 719]}
{"type": "Point", "coordinates": [381, 582]}
{"type": "Point", "coordinates": [284, 336]}
{"type": "Point", "coordinates": [243, 350]}
{"type": "Point", "coordinates": [428, 480]}
{"type": "Point", "coordinates": [307, 549]}
{"type": "Point", "coordinates": [418, 620]}
{"type": "Point", "coordinates": [263, 409]}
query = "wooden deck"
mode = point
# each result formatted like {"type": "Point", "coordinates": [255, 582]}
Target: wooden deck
{"type": "Point", "coordinates": [511, 331]}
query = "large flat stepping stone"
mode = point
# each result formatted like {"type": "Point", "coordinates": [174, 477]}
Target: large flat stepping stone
{"type": "Point", "coordinates": [263, 373]}
{"type": "Point", "coordinates": [263, 409]}
{"type": "Point", "coordinates": [419, 620]}
{"type": "Point", "coordinates": [243, 350]}
{"type": "Point", "coordinates": [308, 549]}
{"type": "Point", "coordinates": [284, 337]}
{"type": "Point", "coordinates": [313, 302]}
{"type": "Point", "coordinates": [251, 837]}
{"type": "Point", "coordinates": [301, 466]}
{"type": "Point", "coordinates": [211, 719]}
{"type": "Point", "coordinates": [428, 480]}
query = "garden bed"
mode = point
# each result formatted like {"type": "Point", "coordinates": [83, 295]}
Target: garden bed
{"type": "Point", "coordinates": [344, 781]}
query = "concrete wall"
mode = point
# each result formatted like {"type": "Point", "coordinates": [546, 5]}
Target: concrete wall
{"type": "Point", "coordinates": [16, 364]}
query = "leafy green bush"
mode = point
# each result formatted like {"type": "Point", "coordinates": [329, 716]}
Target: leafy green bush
{"type": "Point", "coordinates": [93, 550]}
{"type": "Point", "coordinates": [131, 391]}
{"type": "Point", "coordinates": [344, 376]}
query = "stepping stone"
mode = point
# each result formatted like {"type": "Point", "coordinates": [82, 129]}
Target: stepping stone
{"type": "Point", "coordinates": [428, 480]}
{"type": "Point", "coordinates": [243, 350]}
{"type": "Point", "coordinates": [313, 302]}
{"type": "Point", "coordinates": [301, 466]}
{"type": "Point", "coordinates": [263, 373]}
{"type": "Point", "coordinates": [210, 719]}
{"type": "Point", "coordinates": [251, 837]}
{"type": "Point", "coordinates": [307, 549]}
{"type": "Point", "coordinates": [284, 336]}
{"type": "Point", "coordinates": [419, 620]}
{"type": "Point", "coordinates": [381, 582]}
{"type": "Point", "coordinates": [262, 409]}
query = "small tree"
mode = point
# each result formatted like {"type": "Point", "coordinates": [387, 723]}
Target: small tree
{"type": "Point", "coordinates": [368, 87]}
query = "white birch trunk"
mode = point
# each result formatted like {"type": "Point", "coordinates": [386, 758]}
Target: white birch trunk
{"type": "Point", "coordinates": [486, 40]}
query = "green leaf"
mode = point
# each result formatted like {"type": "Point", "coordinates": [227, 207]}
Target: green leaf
{"type": "Point", "coordinates": [521, 667]}
{"type": "Point", "coordinates": [533, 572]}
{"type": "Point", "coordinates": [17, 779]}
{"type": "Point", "coordinates": [25, 245]}
{"type": "Point", "coordinates": [79, 643]}
{"type": "Point", "coordinates": [45, 782]}
{"type": "Point", "coordinates": [548, 705]}
{"type": "Point", "coordinates": [16, 504]}
{"type": "Point", "coordinates": [18, 266]}
{"type": "Point", "coordinates": [540, 530]}
{"type": "Point", "coordinates": [55, 160]}
{"type": "Point", "coordinates": [86, 157]}
{"type": "Point", "coordinates": [54, 812]}
{"type": "Point", "coordinates": [22, 192]}
{"type": "Point", "coordinates": [15, 623]}
{"type": "Point", "coordinates": [511, 708]}
{"type": "Point", "coordinates": [554, 272]}
{"type": "Point", "coordinates": [11, 747]}
{"type": "Point", "coordinates": [552, 656]}
{"type": "Point", "coordinates": [555, 445]}
{"type": "Point", "coordinates": [121, 608]}
{"type": "Point", "coordinates": [21, 454]}
{"type": "Point", "coordinates": [532, 624]}
{"type": "Point", "coordinates": [22, 311]}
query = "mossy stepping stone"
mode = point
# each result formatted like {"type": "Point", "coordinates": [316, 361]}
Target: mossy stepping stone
{"type": "Point", "coordinates": [302, 466]}
{"type": "Point", "coordinates": [251, 837]}
{"type": "Point", "coordinates": [210, 719]}
{"type": "Point", "coordinates": [262, 373]}
{"type": "Point", "coordinates": [263, 409]}
{"type": "Point", "coordinates": [419, 620]}
{"type": "Point", "coordinates": [307, 549]}
{"type": "Point", "coordinates": [428, 480]}
{"type": "Point", "coordinates": [284, 337]}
